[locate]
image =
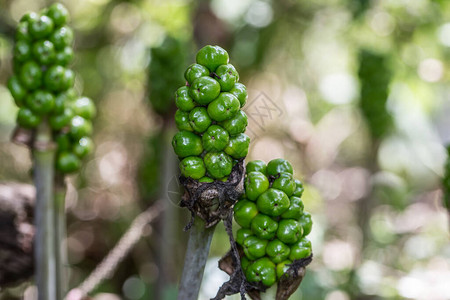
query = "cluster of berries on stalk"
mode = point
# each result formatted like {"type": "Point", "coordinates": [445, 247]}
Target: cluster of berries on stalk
{"type": "Point", "coordinates": [273, 223]}
{"type": "Point", "coordinates": [209, 116]}
{"type": "Point", "coordinates": [446, 181]}
{"type": "Point", "coordinates": [42, 85]}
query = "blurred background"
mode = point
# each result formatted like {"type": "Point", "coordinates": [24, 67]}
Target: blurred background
{"type": "Point", "coordinates": [353, 92]}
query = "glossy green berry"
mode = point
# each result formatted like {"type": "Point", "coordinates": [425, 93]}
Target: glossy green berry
{"type": "Point", "coordinates": [183, 100]}
{"type": "Point", "coordinates": [84, 107]}
{"type": "Point", "coordinates": [195, 71]}
{"type": "Point", "coordinates": [206, 179]}
{"type": "Point", "coordinates": [295, 210]}
{"type": "Point", "coordinates": [58, 13]}
{"type": "Point", "coordinates": [28, 119]}
{"type": "Point", "coordinates": [199, 119]}
{"type": "Point", "coordinates": [64, 56]}
{"type": "Point", "coordinates": [244, 212]}
{"type": "Point", "coordinates": [44, 52]}
{"type": "Point", "coordinates": [192, 167]}
{"type": "Point", "coordinates": [68, 79]}
{"type": "Point", "coordinates": [80, 127]}
{"type": "Point", "coordinates": [59, 121]}
{"type": "Point", "coordinates": [255, 184]}
{"type": "Point", "coordinates": [218, 164]}
{"type": "Point", "coordinates": [298, 192]}
{"type": "Point", "coordinates": [29, 16]}
{"type": "Point", "coordinates": [236, 124]}
{"type": "Point", "coordinates": [30, 75]}
{"type": "Point", "coordinates": [83, 147]}
{"type": "Point", "coordinates": [212, 57]}
{"type": "Point", "coordinates": [63, 142]}
{"type": "Point", "coordinates": [68, 162]}
{"type": "Point", "coordinates": [182, 121]}
{"type": "Point", "coordinates": [204, 90]}
{"type": "Point", "coordinates": [242, 234]}
{"type": "Point", "coordinates": [61, 37]}
{"type": "Point", "coordinates": [254, 247]}
{"type": "Point", "coordinates": [215, 138]}
{"type": "Point", "coordinates": [264, 227]}
{"type": "Point", "coordinates": [282, 267]}
{"type": "Point", "coordinates": [40, 102]}
{"type": "Point", "coordinates": [240, 92]}
{"type": "Point", "coordinates": [289, 231]}
{"type": "Point", "coordinates": [299, 250]}
{"type": "Point", "coordinates": [41, 27]}
{"type": "Point", "coordinates": [304, 242]}
{"type": "Point", "coordinates": [61, 102]}
{"type": "Point", "coordinates": [273, 202]}
{"type": "Point", "coordinates": [285, 182]}
{"type": "Point", "coordinates": [17, 91]}
{"type": "Point", "coordinates": [277, 251]}
{"type": "Point", "coordinates": [305, 222]}
{"type": "Point", "coordinates": [262, 270]}
{"type": "Point", "coordinates": [227, 76]}
{"type": "Point", "coordinates": [238, 146]}
{"type": "Point", "coordinates": [22, 33]}
{"type": "Point", "coordinates": [224, 107]}
{"type": "Point", "coordinates": [256, 166]}
{"type": "Point", "coordinates": [54, 78]}
{"type": "Point", "coordinates": [186, 143]}
{"type": "Point", "coordinates": [22, 51]}
{"type": "Point", "coordinates": [279, 165]}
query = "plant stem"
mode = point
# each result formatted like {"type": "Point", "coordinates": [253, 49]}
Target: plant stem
{"type": "Point", "coordinates": [195, 260]}
{"type": "Point", "coordinates": [60, 225]}
{"type": "Point", "coordinates": [44, 250]}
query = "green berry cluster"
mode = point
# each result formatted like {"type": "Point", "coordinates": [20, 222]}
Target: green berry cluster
{"type": "Point", "coordinates": [42, 84]}
{"type": "Point", "coordinates": [167, 61]}
{"type": "Point", "coordinates": [273, 224]}
{"type": "Point", "coordinates": [375, 77]}
{"type": "Point", "coordinates": [446, 181]}
{"type": "Point", "coordinates": [209, 116]}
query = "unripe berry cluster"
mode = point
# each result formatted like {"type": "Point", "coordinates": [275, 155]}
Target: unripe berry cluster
{"type": "Point", "coordinates": [209, 116]}
{"type": "Point", "coordinates": [273, 224]}
{"type": "Point", "coordinates": [446, 181]}
{"type": "Point", "coordinates": [42, 84]}
{"type": "Point", "coordinates": [375, 77]}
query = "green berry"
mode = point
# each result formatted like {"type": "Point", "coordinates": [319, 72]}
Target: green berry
{"type": "Point", "coordinates": [240, 91]}
{"type": "Point", "coordinates": [255, 184]}
{"type": "Point", "coordinates": [224, 107]}
{"type": "Point", "coordinates": [289, 231]}
{"type": "Point", "coordinates": [27, 119]}
{"type": "Point", "coordinates": [84, 107]}
{"type": "Point", "coordinates": [40, 102]}
{"type": "Point", "coordinates": [262, 270]}
{"type": "Point", "coordinates": [182, 121]}
{"type": "Point", "coordinates": [41, 27]}
{"type": "Point", "coordinates": [305, 222]}
{"type": "Point", "coordinates": [199, 119]}
{"type": "Point", "coordinates": [44, 52]}
{"type": "Point", "coordinates": [238, 146]}
{"type": "Point", "coordinates": [68, 162]}
{"type": "Point", "coordinates": [282, 267]}
{"type": "Point", "coordinates": [279, 165]}
{"type": "Point", "coordinates": [186, 143]}
{"type": "Point", "coordinates": [273, 202]}
{"type": "Point", "coordinates": [18, 92]}
{"type": "Point", "coordinates": [193, 167]}
{"type": "Point", "coordinates": [254, 247]}
{"type": "Point", "coordinates": [195, 71]}
{"type": "Point", "coordinates": [58, 121]}
{"type": "Point", "coordinates": [204, 90]}
{"type": "Point", "coordinates": [236, 124]}
{"type": "Point", "coordinates": [212, 57]}
{"type": "Point", "coordinates": [277, 251]}
{"type": "Point", "coordinates": [58, 13]}
{"type": "Point", "coordinates": [227, 76]}
{"type": "Point", "coordinates": [30, 75]}
{"type": "Point", "coordinates": [22, 51]}
{"type": "Point", "coordinates": [80, 127]}
{"type": "Point", "coordinates": [64, 56]}
{"type": "Point", "coordinates": [298, 192]}
{"type": "Point", "coordinates": [256, 166]}
{"type": "Point", "coordinates": [218, 164]}
{"type": "Point", "coordinates": [62, 37]}
{"type": "Point", "coordinates": [295, 210]}
{"type": "Point", "coordinates": [285, 182]}
{"type": "Point", "coordinates": [264, 227]}
{"type": "Point", "coordinates": [215, 138]}
{"type": "Point", "coordinates": [244, 212]}
{"type": "Point", "coordinates": [242, 234]}
{"type": "Point", "coordinates": [83, 147]}
{"type": "Point", "coordinates": [183, 101]}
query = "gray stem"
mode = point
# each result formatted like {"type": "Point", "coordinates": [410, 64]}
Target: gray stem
{"type": "Point", "coordinates": [195, 260]}
{"type": "Point", "coordinates": [44, 250]}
